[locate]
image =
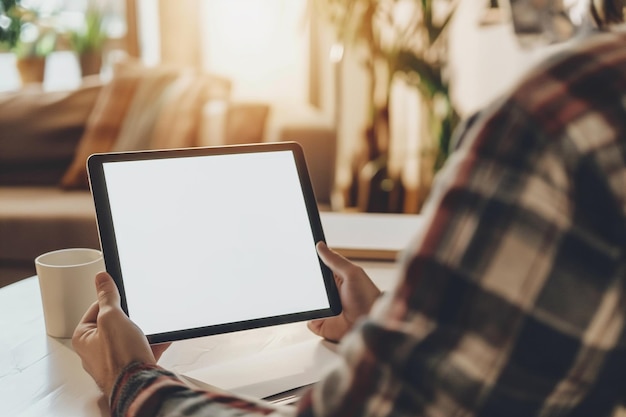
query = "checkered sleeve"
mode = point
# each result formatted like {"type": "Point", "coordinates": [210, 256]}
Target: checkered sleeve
{"type": "Point", "coordinates": [143, 390]}
{"type": "Point", "coordinates": [512, 302]}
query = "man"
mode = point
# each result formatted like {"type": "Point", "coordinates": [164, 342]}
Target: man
{"type": "Point", "coordinates": [512, 302]}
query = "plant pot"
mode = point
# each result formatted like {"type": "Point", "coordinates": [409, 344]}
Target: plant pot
{"type": "Point", "coordinates": [90, 63]}
{"type": "Point", "coordinates": [379, 192]}
{"type": "Point", "coordinates": [31, 69]}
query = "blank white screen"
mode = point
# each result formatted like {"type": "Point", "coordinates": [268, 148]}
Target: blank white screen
{"type": "Point", "coordinates": [206, 240]}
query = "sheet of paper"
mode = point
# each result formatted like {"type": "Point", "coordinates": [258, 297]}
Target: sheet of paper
{"type": "Point", "coordinates": [271, 372]}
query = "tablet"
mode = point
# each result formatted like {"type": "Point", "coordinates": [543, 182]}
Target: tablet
{"type": "Point", "coordinates": [203, 241]}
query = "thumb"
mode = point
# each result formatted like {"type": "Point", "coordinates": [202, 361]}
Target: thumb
{"type": "Point", "coordinates": [315, 326]}
{"type": "Point", "coordinates": [108, 295]}
{"type": "Point", "coordinates": [336, 262]}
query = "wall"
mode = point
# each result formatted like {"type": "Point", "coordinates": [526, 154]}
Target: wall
{"type": "Point", "coordinates": [261, 46]}
{"type": "Point", "coordinates": [486, 61]}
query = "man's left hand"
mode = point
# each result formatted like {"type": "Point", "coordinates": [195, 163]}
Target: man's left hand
{"type": "Point", "coordinates": [107, 341]}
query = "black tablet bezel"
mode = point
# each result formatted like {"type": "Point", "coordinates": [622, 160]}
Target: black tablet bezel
{"type": "Point", "coordinates": [108, 243]}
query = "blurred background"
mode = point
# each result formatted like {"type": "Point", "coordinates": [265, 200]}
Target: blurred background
{"type": "Point", "coordinates": [372, 89]}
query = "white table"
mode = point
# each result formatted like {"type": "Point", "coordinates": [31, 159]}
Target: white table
{"type": "Point", "coordinates": [42, 376]}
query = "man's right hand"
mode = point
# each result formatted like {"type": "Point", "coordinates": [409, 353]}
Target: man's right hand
{"type": "Point", "coordinates": [356, 290]}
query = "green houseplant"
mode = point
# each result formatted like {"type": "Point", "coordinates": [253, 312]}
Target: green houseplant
{"type": "Point", "coordinates": [397, 38]}
{"type": "Point", "coordinates": [29, 36]}
{"type": "Point", "coordinates": [89, 41]}
{"type": "Point", "coordinates": [10, 27]}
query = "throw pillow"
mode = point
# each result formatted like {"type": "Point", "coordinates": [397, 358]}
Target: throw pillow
{"type": "Point", "coordinates": [103, 126]}
{"type": "Point", "coordinates": [142, 114]}
{"type": "Point", "coordinates": [145, 108]}
{"type": "Point", "coordinates": [178, 124]}
{"type": "Point", "coordinates": [245, 122]}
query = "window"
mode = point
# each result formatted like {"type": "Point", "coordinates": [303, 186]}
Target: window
{"type": "Point", "coordinates": [63, 16]}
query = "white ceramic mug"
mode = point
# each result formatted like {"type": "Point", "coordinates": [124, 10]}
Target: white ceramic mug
{"type": "Point", "coordinates": [66, 281]}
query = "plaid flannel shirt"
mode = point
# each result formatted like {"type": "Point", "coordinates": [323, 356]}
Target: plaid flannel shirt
{"type": "Point", "coordinates": [512, 302]}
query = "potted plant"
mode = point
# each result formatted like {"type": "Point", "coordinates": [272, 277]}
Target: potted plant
{"type": "Point", "coordinates": [30, 37]}
{"type": "Point", "coordinates": [9, 27]}
{"type": "Point", "coordinates": [89, 41]}
{"type": "Point", "coordinates": [396, 38]}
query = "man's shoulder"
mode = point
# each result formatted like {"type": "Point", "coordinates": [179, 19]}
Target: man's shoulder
{"type": "Point", "coordinates": [583, 83]}
{"type": "Point", "coordinates": [569, 69]}
{"type": "Point", "coordinates": [570, 106]}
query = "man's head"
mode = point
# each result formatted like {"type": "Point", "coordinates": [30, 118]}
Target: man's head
{"type": "Point", "coordinates": [542, 22]}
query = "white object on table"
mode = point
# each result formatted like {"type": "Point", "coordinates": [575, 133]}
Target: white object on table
{"type": "Point", "coordinates": [66, 284]}
{"type": "Point", "coordinates": [271, 372]}
{"type": "Point", "coordinates": [370, 235]}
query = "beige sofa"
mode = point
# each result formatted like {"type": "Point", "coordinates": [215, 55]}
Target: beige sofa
{"type": "Point", "coordinates": [39, 133]}
{"type": "Point", "coordinates": [42, 137]}
{"type": "Point", "coordinates": [35, 220]}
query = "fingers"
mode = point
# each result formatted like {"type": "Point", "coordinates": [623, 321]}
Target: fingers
{"type": "Point", "coordinates": [337, 263]}
{"type": "Point", "coordinates": [91, 314]}
{"type": "Point", "coordinates": [86, 323]}
{"type": "Point", "coordinates": [108, 294]}
{"type": "Point", "coordinates": [331, 329]}
{"type": "Point", "coordinates": [158, 349]}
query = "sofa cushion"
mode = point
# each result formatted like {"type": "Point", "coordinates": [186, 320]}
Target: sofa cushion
{"type": "Point", "coordinates": [103, 126]}
{"type": "Point", "coordinates": [245, 122]}
{"type": "Point", "coordinates": [39, 131]}
{"type": "Point", "coordinates": [145, 108]}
